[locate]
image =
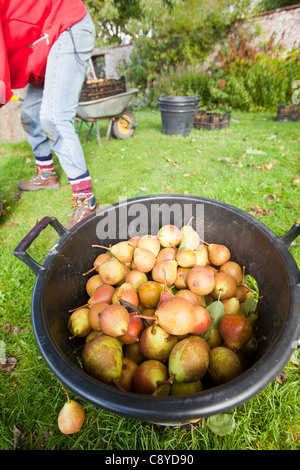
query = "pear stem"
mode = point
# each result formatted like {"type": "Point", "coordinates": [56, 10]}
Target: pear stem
{"type": "Point", "coordinates": [88, 272]}
{"type": "Point", "coordinates": [162, 384]}
{"type": "Point", "coordinates": [190, 220]}
{"type": "Point", "coordinates": [205, 243]}
{"type": "Point", "coordinates": [66, 394]}
{"type": "Point", "coordinates": [82, 306]}
{"type": "Point", "coordinates": [101, 246]}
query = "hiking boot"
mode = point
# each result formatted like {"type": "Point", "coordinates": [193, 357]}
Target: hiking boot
{"type": "Point", "coordinates": [83, 207]}
{"type": "Point", "coordinates": [42, 180]}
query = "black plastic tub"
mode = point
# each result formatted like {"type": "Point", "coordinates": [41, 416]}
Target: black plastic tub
{"type": "Point", "coordinates": [177, 114]}
{"type": "Point", "coordinates": [60, 277]}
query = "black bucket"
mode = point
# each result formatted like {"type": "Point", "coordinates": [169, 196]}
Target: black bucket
{"type": "Point", "coordinates": [178, 113]}
{"type": "Point", "coordinates": [252, 244]}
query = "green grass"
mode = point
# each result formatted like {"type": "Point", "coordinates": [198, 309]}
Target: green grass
{"type": "Point", "coordinates": [226, 165]}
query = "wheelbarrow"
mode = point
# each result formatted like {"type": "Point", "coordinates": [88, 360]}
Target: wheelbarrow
{"type": "Point", "coordinates": [121, 124]}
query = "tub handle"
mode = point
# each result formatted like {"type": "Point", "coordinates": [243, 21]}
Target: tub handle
{"type": "Point", "coordinates": [20, 250]}
{"type": "Point", "coordinates": [291, 235]}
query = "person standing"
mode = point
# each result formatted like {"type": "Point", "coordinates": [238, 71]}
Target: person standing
{"type": "Point", "coordinates": [46, 46]}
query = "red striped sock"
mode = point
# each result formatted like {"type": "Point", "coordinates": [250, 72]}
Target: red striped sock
{"type": "Point", "coordinates": [82, 185]}
{"type": "Point", "coordinates": [45, 164]}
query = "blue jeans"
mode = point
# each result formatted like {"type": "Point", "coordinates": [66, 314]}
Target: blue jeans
{"type": "Point", "coordinates": [49, 110]}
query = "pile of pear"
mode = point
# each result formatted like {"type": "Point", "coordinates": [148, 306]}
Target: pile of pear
{"type": "Point", "coordinates": [147, 327]}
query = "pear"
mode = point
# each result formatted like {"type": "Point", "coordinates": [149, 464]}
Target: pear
{"type": "Point", "coordinates": [201, 280]}
{"type": "Point", "coordinates": [231, 305]}
{"type": "Point", "coordinates": [78, 323]}
{"type": "Point", "coordinates": [224, 365]}
{"type": "Point", "coordinates": [94, 315]}
{"type": "Point", "coordinates": [242, 293]}
{"type": "Point", "coordinates": [166, 293]}
{"type": "Point", "coordinates": [176, 316]}
{"type": "Point", "coordinates": [236, 330]}
{"type": "Point", "coordinates": [126, 292]}
{"type": "Point", "coordinates": [169, 236]}
{"type": "Point", "coordinates": [136, 278]}
{"type": "Point", "coordinates": [156, 343]}
{"type": "Point", "coordinates": [190, 236]}
{"type": "Point", "coordinates": [218, 254]}
{"type": "Point", "coordinates": [129, 368]}
{"type": "Point", "coordinates": [166, 254]}
{"type": "Point", "coordinates": [181, 278]}
{"type": "Point", "coordinates": [98, 261]}
{"type": "Point", "coordinates": [71, 416]}
{"type": "Point", "coordinates": [202, 320]}
{"type": "Point", "coordinates": [189, 359]}
{"type": "Point", "coordinates": [185, 256]}
{"type": "Point", "coordinates": [185, 388]}
{"type": "Point", "coordinates": [143, 259]}
{"type": "Point", "coordinates": [149, 293]}
{"type": "Point", "coordinates": [112, 271]}
{"type": "Point", "coordinates": [92, 284]}
{"type": "Point", "coordinates": [215, 338]}
{"type": "Point", "coordinates": [234, 270]}
{"type": "Point", "coordinates": [102, 358]}
{"type": "Point", "coordinates": [92, 335]}
{"type": "Point", "coordinates": [123, 251]}
{"type": "Point", "coordinates": [134, 330]}
{"type": "Point", "coordinates": [114, 320]}
{"type": "Point", "coordinates": [188, 295]}
{"type": "Point", "coordinates": [133, 351]}
{"type": "Point", "coordinates": [202, 258]}
{"type": "Point", "coordinates": [149, 376]}
{"type": "Point", "coordinates": [170, 268]}
{"type": "Point", "coordinates": [103, 293]}
{"type": "Point", "coordinates": [149, 242]}
{"type": "Point", "coordinates": [225, 286]}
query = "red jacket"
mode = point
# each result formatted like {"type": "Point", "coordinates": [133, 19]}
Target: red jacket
{"type": "Point", "coordinates": [28, 28]}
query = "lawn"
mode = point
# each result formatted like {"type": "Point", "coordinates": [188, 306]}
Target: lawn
{"type": "Point", "coordinates": [252, 165]}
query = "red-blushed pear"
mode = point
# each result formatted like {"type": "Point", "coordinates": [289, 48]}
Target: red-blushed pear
{"type": "Point", "coordinates": [202, 320]}
{"type": "Point", "coordinates": [169, 236]}
{"type": "Point", "coordinates": [114, 320]}
{"type": "Point", "coordinates": [150, 242]}
{"type": "Point", "coordinates": [94, 315]}
{"type": "Point", "coordinates": [133, 351]}
{"type": "Point", "coordinates": [236, 330]}
{"type": "Point", "coordinates": [170, 268]}
{"type": "Point", "coordinates": [224, 287]}
{"type": "Point", "coordinates": [224, 365]}
{"type": "Point", "coordinates": [71, 416]}
{"type": "Point", "coordinates": [134, 330]}
{"type": "Point", "coordinates": [176, 316]}
{"type": "Point", "coordinates": [150, 375]}
{"type": "Point", "coordinates": [103, 293]}
{"type": "Point", "coordinates": [201, 280]}
{"type": "Point", "coordinates": [218, 254]}
{"type": "Point", "coordinates": [185, 256]}
{"type": "Point", "coordinates": [125, 292]}
{"type": "Point", "coordinates": [129, 368]}
{"type": "Point", "coordinates": [166, 254]}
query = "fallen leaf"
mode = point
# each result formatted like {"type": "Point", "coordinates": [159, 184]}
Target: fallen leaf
{"type": "Point", "coordinates": [144, 189]}
{"type": "Point", "coordinates": [268, 166]}
{"type": "Point", "coordinates": [281, 377]}
{"type": "Point", "coordinates": [186, 174]}
{"type": "Point", "coordinates": [11, 224]}
{"type": "Point", "coordinates": [17, 435]}
{"type": "Point", "coordinates": [281, 147]}
{"type": "Point", "coordinates": [8, 364]}
{"type": "Point", "coordinates": [27, 160]}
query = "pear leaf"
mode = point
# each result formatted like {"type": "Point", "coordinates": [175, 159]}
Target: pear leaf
{"type": "Point", "coordinates": [216, 311]}
{"type": "Point", "coordinates": [221, 424]}
{"type": "Point", "coordinates": [249, 305]}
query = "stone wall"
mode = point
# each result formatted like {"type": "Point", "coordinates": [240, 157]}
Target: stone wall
{"type": "Point", "coordinates": [114, 57]}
